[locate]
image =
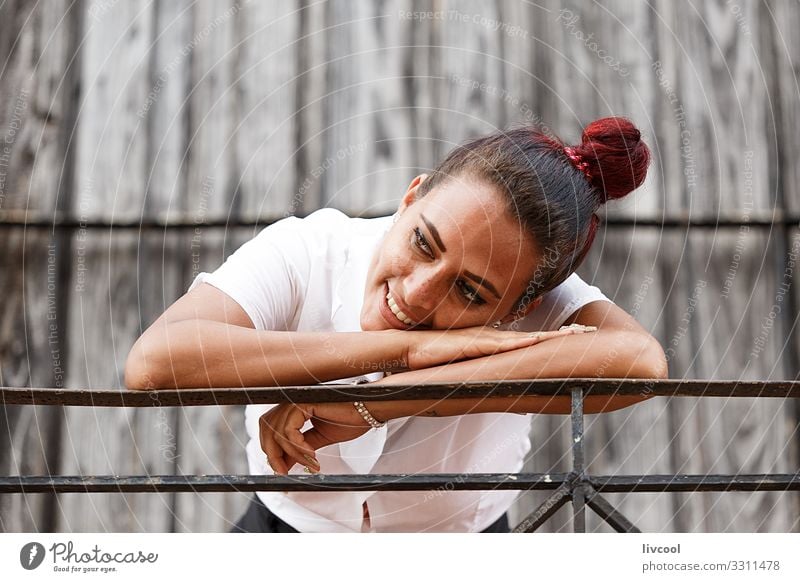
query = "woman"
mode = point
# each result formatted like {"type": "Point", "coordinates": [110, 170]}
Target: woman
{"type": "Point", "coordinates": [472, 279]}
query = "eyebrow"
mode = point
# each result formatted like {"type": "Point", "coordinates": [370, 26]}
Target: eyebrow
{"type": "Point", "coordinates": [434, 234]}
{"type": "Point", "coordinates": [436, 237]}
{"type": "Point", "coordinates": [483, 283]}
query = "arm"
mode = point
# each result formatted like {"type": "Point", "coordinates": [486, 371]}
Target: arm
{"type": "Point", "coordinates": [205, 339]}
{"type": "Point", "coordinates": [620, 348]}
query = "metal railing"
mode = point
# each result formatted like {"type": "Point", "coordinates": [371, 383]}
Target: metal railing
{"type": "Point", "coordinates": [577, 486]}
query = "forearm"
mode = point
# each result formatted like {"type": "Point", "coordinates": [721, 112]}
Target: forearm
{"type": "Point", "coordinates": [611, 354]}
{"type": "Point", "coordinates": [203, 354]}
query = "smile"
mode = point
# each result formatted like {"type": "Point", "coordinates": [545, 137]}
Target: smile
{"type": "Point", "coordinates": [402, 317]}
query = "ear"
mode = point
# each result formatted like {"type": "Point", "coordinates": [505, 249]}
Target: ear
{"type": "Point", "coordinates": [528, 308]}
{"type": "Point", "coordinates": [411, 194]}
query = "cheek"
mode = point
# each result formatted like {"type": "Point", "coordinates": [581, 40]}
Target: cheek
{"type": "Point", "coordinates": [394, 263]}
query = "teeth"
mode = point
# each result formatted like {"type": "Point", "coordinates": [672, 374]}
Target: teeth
{"type": "Point", "coordinates": [396, 310]}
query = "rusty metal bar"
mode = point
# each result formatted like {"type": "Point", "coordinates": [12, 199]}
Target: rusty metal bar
{"type": "Point", "coordinates": [583, 490]}
{"type": "Point", "coordinates": [346, 392]}
{"type": "Point", "coordinates": [220, 483]}
{"type": "Point", "coordinates": [546, 510]}
{"type": "Point", "coordinates": [578, 500]}
{"type": "Point", "coordinates": [695, 483]}
{"type": "Point", "coordinates": [608, 512]}
{"type": "Point", "coordinates": [397, 482]}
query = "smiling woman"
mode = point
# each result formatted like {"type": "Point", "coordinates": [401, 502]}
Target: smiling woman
{"type": "Point", "coordinates": [471, 279]}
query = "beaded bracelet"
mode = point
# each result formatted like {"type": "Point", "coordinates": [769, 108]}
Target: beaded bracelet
{"type": "Point", "coordinates": [362, 410]}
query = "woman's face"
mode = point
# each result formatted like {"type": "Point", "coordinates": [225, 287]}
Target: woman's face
{"type": "Point", "coordinates": [455, 258]}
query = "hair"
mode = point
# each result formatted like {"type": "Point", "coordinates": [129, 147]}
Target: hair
{"type": "Point", "coordinates": [554, 190]}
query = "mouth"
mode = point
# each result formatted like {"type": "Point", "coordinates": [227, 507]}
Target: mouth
{"type": "Point", "coordinates": [393, 314]}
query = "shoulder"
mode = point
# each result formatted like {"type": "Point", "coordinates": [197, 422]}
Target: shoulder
{"type": "Point", "coordinates": [322, 242]}
{"type": "Point", "coordinates": [573, 293]}
{"type": "Point", "coordinates": [561, 302]}
{"type": "Point", "coordinates": [331, 223]}
{"type": "Point", "coordinates": [324, 230]}
{"type": "Point", "coordinates": [574, 285]}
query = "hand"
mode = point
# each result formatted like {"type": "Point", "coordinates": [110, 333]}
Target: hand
{"type": "Point", "coordinates": [437, 347]}
{"type": "Point", "coordinates": [285, 444]}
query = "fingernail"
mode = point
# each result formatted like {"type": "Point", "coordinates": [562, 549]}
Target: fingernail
{"type": "Point", "coordinates": [311, 460]}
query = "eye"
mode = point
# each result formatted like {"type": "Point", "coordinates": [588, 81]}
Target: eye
{"type": "Point", "coordinates": [469, 293]}
{"type": "Point", "coordinates": [422, 243]}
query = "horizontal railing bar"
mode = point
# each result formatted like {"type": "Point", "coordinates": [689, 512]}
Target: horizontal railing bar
{"type": "Point", "coordinates": [18, 220]}
{"type": "Point", "coordinates": [397, 482]}
{"type": "Point", "coordinates": [220, 483]}
{"type": "Point", "coordinates": [348, 392]}
{"type": "Point", "coordinates": [661, 483]}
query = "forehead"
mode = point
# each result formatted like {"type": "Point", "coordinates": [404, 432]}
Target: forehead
{"type": "Point", "coordinates": [479, 232]}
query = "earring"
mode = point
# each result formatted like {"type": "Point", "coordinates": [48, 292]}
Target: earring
{"type": "Point", "coordinates": [497, 324]}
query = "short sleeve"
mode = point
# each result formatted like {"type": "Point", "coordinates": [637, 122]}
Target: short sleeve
{"type": "Point", "coordinates": [559, 303]}
{"type": "Point", "coordinates": [267, 275]}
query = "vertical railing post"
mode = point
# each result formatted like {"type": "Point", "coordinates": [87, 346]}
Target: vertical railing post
{"type": "Point", "coordinates": [578, 495]}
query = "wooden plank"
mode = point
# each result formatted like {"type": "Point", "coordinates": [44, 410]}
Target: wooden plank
{"type": "Point", "coordinates": [210, 440]}
{"type": "Point", "coordinates": [165, 112]}
{"type": "Point", "coordinates": [104, 323]}
{"type": "Point", "coordinates": [777, 22]}
{"type": "Point", "coordinates": [469, 52]}
{"type": "Point", "coordinates": [267, 107]}
{"type": "Point", "coordinates": [211, 164]}
{"type": "Point", "coordinates": [166, 116]}
{"type": "Point", "coordinates": [791, 330]}
{"type": "Point", "coordinates": [721, 89]}
{"type": "Point", "coordinates": [625, 265]}
{"type": "Point", "coordinates": [736, 337]}
{"type": "Point", "coordinates": [36, 117]}
{"type": "Point", "coordinates": [29, 434]}
{"type": "Point", "coordinates": [227, 176]}
{"type": "Point", "coordinates": [111, 175]}
{"type": "Point", "coordinates": [32, 109]}
{"type": "Point", "coordinates": [367, 137]}
{"type": "Point", "coordinates": [776, 25]}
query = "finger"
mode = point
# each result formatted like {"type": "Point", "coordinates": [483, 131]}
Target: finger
{"type": "Point", "coordinates": [296, 455]}
{"type": "Point", "coordinates": [269, 446]}
{"type": "Point", "coordinates": [533, 338]}
{"type": "Point", "coordinates": [288, 437]}
{"type": "Point", "coordinates": [294, 425]}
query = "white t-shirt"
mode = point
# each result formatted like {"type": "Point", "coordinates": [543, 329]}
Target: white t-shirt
{"type": "Point", "coordinates": [309, 275]}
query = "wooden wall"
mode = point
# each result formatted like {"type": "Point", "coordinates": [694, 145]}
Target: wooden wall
{"type": "Point", "coordinates": [223, 110]}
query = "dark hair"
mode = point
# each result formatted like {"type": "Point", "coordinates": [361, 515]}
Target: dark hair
{"type": "Point", "coordinates": [553, 189]}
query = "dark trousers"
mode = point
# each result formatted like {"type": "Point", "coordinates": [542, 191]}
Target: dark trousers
{"type": "Point", "coordinates": [259, 519]}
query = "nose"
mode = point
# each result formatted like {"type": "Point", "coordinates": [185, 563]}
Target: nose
{"type": "Point", "coordinates": [424, 287]}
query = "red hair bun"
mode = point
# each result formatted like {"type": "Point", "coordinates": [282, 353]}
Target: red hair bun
{"type": "Point", "coordinates": [615, 155]}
